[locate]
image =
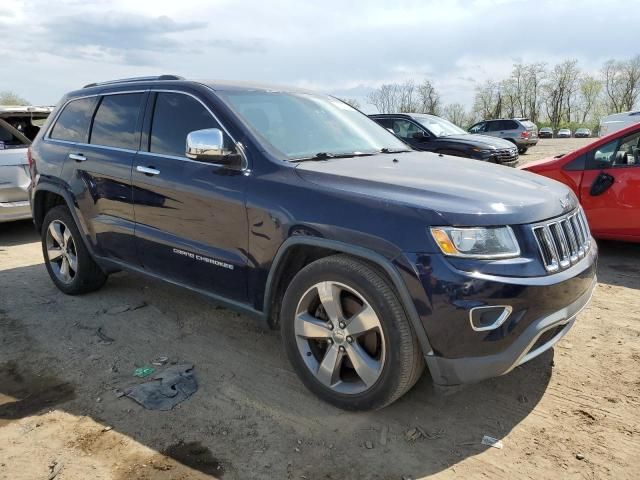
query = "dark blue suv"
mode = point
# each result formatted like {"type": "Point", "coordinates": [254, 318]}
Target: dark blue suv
{"type": "Point", "coordinates": [371, 259]}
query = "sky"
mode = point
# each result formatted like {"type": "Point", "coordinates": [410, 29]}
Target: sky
{"type": "Point", "coordinates": [346, 48]}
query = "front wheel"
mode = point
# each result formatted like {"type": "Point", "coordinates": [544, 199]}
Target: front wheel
{"type": "Point", "coordinates": [68, 262]}
{"type": "Point", "coordinates": [347, 335]}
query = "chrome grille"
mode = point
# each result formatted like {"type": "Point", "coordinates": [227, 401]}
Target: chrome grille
{"type": "Point", "coordinates": [563, 241]}
{"type": "Point", "coordinates": [504, 155]}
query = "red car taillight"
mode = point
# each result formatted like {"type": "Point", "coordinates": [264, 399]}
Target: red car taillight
{"type": "Point", "coordinates": [29, 158]}
{"type": "Point", "coordinates": [524, 134]}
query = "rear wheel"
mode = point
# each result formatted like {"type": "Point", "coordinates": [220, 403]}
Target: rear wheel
{"type": "Point", "coordinates": [68, 262]}
{"type": "Point", "coordinates": [522, 150]}
{"type": "Point", "coordinates": [347, 335]}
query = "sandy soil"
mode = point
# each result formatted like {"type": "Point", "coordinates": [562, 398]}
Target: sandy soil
{"type": "Point", "coordinates": [572, 413]}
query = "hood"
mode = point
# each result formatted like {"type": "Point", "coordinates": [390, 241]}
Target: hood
{"type": "Point", "coordinates": [481, 141]}
{"type": "Point", "coordinates": [461, 191]}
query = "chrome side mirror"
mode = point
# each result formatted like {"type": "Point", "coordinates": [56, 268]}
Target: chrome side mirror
{"type": "Point", "coordinates": [208, 146]}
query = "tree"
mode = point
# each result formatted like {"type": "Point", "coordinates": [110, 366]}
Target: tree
{"type": "Point", "coordinates": [488, 100]}
{"type": "Point", "coordinates": [429, 98]}
{"type": "Point", "coordinates": [456, 113]}
{"type": "Point", "coordinates": [590, 90]}
{"type": "Point", "coordinates": [350, 101]}
{"type": "Point", "coordinates": [385, 98]}
{"type": "Point", "coordinates": [622, 83]}
{"type": "Point", "coordinates": [406, 97]}
{"type": "Point", "coordinates": [11, 98]}
{"type": "Point", "coordinates": [560, 89]}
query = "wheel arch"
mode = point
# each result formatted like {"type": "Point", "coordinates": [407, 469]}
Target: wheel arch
{"type": "Point", "coordinates": [297, 252]}
{"type": "Point", "coordinates": [47, 196]}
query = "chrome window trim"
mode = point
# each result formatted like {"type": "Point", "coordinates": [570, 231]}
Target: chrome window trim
{"type": "Point", "coordinates": [47, 136]}
{"type": "Point", "coordinates": [239, 146]}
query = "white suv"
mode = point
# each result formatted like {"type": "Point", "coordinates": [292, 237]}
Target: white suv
{"type": "Point", "coordinates": [19, 125]}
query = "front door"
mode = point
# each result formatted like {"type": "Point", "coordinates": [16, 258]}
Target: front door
{"type": "Point", "coordinates": [412, 134]}
{"type": "Point", "coordinates": [191, 222]}
{"type": "Point", "coordinates": [614, 211]}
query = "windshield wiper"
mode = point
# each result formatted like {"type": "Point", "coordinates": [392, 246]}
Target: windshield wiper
{"type": "Point", "coordinates": [391, 150]}
{"type": "Point", "coordinates": [326, 156]}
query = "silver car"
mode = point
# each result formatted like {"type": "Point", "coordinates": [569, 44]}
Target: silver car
{"type": "Point", "coordinates": [564, 133]}
{"type": "Point", "coordinates": [520, 131]}
{"type": "Point", "coordinates": [19, 125]}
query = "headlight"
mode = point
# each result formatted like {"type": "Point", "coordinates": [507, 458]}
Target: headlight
{"type": "Point", "coordinates": [477, 242]}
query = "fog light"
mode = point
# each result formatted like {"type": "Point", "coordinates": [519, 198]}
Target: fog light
{"type": "Point", "coordinates": [489, 318]}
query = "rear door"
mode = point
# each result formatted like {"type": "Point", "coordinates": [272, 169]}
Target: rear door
{"type": "Point", "coordinates": [191, 221]}
{"type": "Point", "coordinates": [616, 210]}
{"type": "Point", "coordinates": [99, 172]}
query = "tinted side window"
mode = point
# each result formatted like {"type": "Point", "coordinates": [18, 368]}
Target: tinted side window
{"type": "Point", "coordinates": [175, 116]}
{"type": "Point", "coordinates": [405, 129]}
{"type": "Point", "coordinates": [116, 119]}
{"type": "Point", "coordinates": [493, 126]}
{"type": "Point", "coordinates": [385, 122]}
{"type": "Point", "coordinates": [73, 123]}
{"type": "Point", "coordinates": [510, 125]}
{"type": "Point", "coordinates": [478, 127]}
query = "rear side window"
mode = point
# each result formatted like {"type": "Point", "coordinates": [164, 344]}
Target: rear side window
{"type": "Point", "coordinates": [116, 120]}
{"type": "Point", "coordinates": [176, 115]}
{"type": "Point", "coordinates": [8, 139]}
{"type": "Point", "coordinates": [73, 123]}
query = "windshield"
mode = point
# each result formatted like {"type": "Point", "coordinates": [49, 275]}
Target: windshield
{"type": "Point", "coordinates": [439, 126]}
{"type": "Point", "coordinates": [302, 125]}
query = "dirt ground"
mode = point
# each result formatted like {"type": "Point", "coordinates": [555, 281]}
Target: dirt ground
{"type": "Point", "coordinates": [572, 413]}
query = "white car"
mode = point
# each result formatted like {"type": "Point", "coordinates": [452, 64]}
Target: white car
{"type": "Point", "coordinates": [564, 133]}
{"type": "Point", "coordinates": [618, 121]}
{"type": "Point", "coordinates": [19, 125]}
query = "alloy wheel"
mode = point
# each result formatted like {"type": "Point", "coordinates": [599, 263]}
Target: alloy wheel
{"type": "Point", "coordinates": [340, 337]}
{"type": "Point", "coordinates": [61, 252]}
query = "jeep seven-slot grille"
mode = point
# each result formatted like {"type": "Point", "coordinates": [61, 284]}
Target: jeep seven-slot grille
{"type": "Point", "coordinates": [563, 241]}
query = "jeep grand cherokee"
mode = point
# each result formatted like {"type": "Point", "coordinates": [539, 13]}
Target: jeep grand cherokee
{"type": "Point", "coordinates": [372, 259]}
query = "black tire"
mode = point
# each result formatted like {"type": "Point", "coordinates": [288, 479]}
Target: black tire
{"type": "Point", "coordinates": [88, 276]}
{"type": "Point", "coordinates": [522, 150]}
{"type": "Point", "coordinates": [403, 360]}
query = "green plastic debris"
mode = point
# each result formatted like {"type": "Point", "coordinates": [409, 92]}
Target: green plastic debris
{"type": "Point", "coordinates": [143, 372]}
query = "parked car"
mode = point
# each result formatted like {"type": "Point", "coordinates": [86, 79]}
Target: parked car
{"type": "Point", "coordinates": [564, 133]}
{"type": "Point", "coordinates": [582, 133]}
{"type": "Point", "coordinates": [545, 132]}
{"type": "Point", "coordinates": [521, 132]}
{"type": "Point", "coordinates": [618, 121]}
{"type": "Point", "coordinates": [605, 175]}
{"type": "Point", "coordinates": [18, 127]}
{"type": "Point", "coordinates": [372, 259]}
{"type": "Point", "coordinates": [434, 134]}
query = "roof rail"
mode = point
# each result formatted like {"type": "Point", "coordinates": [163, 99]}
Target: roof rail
{"type": "Point", "coordinates": [135, 79]}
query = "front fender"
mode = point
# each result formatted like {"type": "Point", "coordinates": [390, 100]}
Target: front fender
{"type": "Point", "coordinates": [370, 256]}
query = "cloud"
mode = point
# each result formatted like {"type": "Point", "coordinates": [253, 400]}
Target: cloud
{"type": "Point", "coordinates": [347, 48]}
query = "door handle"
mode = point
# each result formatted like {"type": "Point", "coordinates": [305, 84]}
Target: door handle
{"type": "Point", "coordinates": [78, 157]}
{"type": "Point", "coordinates": [147, 170]}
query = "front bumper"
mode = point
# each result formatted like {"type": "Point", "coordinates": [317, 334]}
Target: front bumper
{"type": "Point", "coordinates": [542, 310]}
{"type": "Point", "coordinates": [540, 336]}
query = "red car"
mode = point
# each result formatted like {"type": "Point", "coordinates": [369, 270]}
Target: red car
{"type": "Point", "coordinates": [605, 175]}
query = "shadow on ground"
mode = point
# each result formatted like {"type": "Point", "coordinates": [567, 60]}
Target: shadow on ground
{"type": "Point", "coordinates": [251, 417]}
